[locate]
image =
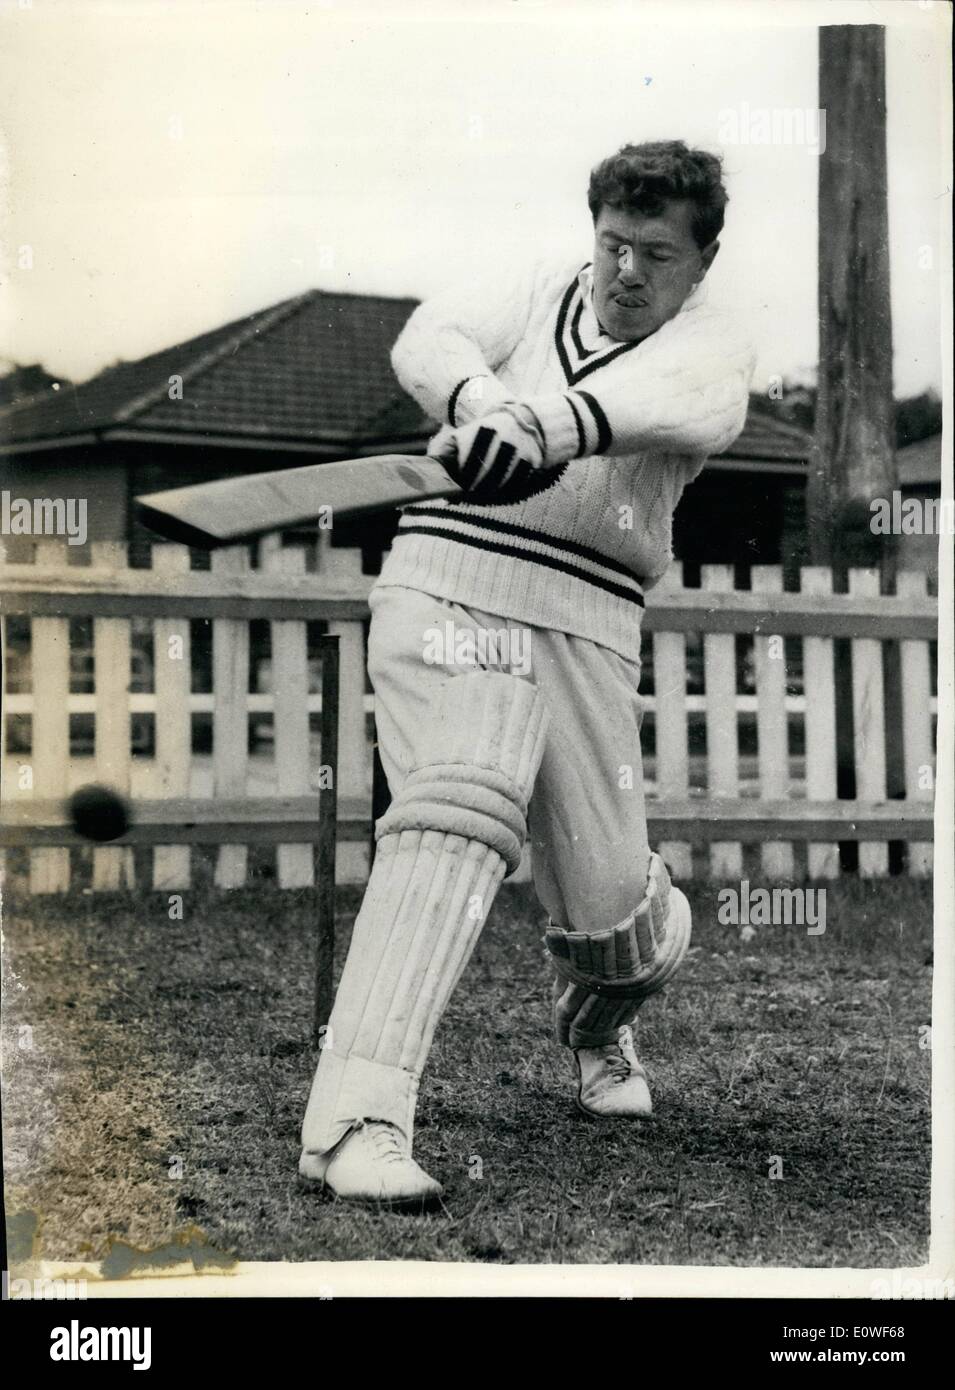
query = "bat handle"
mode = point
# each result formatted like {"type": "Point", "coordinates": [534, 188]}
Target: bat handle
{"type": "Point", "coordinates": [443, 448]}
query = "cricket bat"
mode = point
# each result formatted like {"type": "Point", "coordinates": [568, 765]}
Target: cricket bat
{"type": "Point", "coordinates": [231, 510]}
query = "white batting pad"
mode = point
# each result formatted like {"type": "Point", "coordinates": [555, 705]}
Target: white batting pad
{"type": "Point", "coordinates": [603, 977]}
{"type": "Point", "coordinates": [444, 846]}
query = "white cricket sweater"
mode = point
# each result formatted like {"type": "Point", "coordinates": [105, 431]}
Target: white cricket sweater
{"type": "Point", "coordinates": [627, 424]}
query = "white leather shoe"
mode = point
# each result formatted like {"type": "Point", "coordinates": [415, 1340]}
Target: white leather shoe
{"type": "Point", "coordinates": [371, 1164]}
{"type": "Point", "coordinates": [612, 1082]}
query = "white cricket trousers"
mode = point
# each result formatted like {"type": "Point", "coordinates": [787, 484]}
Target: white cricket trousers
{"type": "Point", "coordinates": [587, 822]}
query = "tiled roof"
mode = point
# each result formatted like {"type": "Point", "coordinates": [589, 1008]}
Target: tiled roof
{"type": "Point", "coordinates": [766, 437]}
{"type": "Point", "coordinates": [311, 369]}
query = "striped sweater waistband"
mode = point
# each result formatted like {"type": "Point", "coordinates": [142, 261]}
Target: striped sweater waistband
{"type": "Point", "coordinates": [499, 537]}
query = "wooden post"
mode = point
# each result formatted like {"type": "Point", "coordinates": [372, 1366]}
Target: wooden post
{"type": "Point", "coordinates": [230, 718]}
{"type": "Point", "coordinates": [113, 865]}
{"type": "Point", "coordinates": [172, 864]}
{"type": "Point", "coordinates": [853, 455]}
{"type": "Point", "coordinates": [294, 863]}
{"type": "Point", "coordinates": [917, 740]}
{"type": "Point", "coordinates": [868, 717]}
{"type": "Point", "coordinates": [722, 731]}
{"type": "Point", "coordinates": [50, 656]}
{"type": "Point", "coordinates": [772, 725]}
{"type": "Point", "coordinates": [820, 685]}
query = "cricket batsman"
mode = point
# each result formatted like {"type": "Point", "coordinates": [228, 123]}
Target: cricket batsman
{"type": "Point", "coordinates": [579, 400]}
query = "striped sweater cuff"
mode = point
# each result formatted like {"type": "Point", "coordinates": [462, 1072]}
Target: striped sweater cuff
{"type": "Point", "coordinates": [473, 397]}
{"type": "Point", "coordinates": [573, 425]}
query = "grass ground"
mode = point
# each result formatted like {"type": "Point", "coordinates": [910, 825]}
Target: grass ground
{"type": "Point", "coordinates": [156, 1072]}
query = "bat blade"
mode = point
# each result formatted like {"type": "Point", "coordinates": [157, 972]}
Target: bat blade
{"type": "Point", "coordinates": [231, 510]}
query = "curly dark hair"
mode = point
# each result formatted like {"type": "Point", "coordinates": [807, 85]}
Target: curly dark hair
{"type": "Point", "coordinates": [639, 177]}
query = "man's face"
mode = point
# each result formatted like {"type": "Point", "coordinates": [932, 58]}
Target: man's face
{"type": "Point", "coordinates": [644, 267]}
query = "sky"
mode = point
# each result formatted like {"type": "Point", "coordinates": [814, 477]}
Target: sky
{"type": "Point", "coordinates": [171, 165]}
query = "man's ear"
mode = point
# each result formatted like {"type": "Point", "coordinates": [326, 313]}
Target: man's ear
{"type": "Point", "coordinates": [707, 257]}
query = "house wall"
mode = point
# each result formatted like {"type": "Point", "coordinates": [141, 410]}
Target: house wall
{"type": "Point", "coordinates": [70, 473]}
{"type": "Point", "coordinates": [154, 467]}
{"type": "Point", "coordinates": [111, 476]}
{"type": "Point", "coordinates": [920, 552]}
{"type": "Point", "coordinates": [749, 518]}
{"type": "Point", "coordinates": [730, 518]}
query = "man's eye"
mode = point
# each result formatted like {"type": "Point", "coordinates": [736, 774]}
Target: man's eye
{"type": "Point", "coordinates": [659, 256]}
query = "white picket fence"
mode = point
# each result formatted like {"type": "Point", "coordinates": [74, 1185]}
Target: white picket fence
{"type": "Point", "coordinates": [707, 810]}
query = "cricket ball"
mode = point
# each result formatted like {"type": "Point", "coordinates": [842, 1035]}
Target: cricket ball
{"type": "Point", "coordinates": [98, 813]}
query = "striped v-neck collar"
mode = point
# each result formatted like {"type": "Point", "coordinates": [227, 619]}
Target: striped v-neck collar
{"type": "Point", "coordinates": [577, 320]}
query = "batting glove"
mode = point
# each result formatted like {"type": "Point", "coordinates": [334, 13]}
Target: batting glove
{"type": "Point", "coordinates": [497, 454]}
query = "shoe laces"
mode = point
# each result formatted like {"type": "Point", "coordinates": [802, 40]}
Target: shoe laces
{"type": "Point", "coordinates": [386, 1140]}
{"type": "Point", "coordinates": [617, 1064]}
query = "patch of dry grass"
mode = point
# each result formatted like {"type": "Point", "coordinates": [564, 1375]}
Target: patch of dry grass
{"type": "Point", "coordinates": [162, 1046]}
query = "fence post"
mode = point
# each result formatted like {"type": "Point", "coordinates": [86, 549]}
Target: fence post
{"type": "Point", "coordinates": [112, 865]}
{"type": "Point", "coordinates": [722, 740]}
{"type": "Point", "coordinates": [50, 741]}
{"type": "Point", "coordinates": [772, 726]}
{"type": "Point", "coordinates": [917, 744]}
{"type": "Point", "coordinates": [868, 713]}
{"type": "Point", "coordinates": [172, 684]}
{"type": "Point", "coordinates": [819, 683]}
{"type": "Point", "coordinates": [294, 863]}
{"type": "Point", "coordinates": [230, 717]}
